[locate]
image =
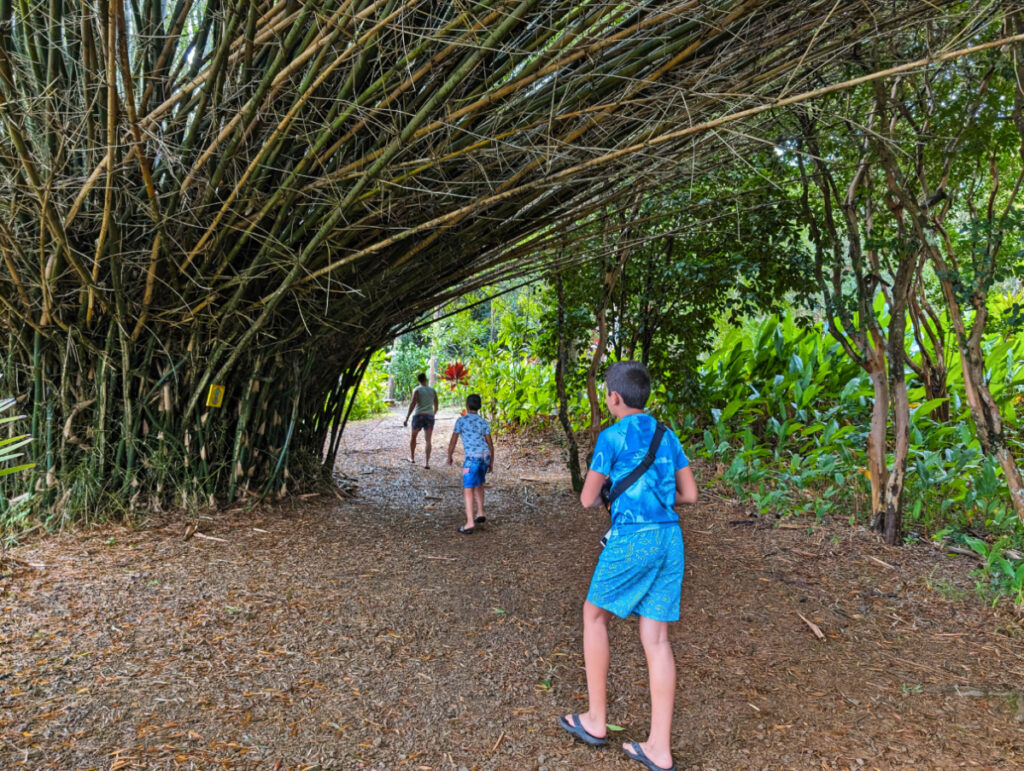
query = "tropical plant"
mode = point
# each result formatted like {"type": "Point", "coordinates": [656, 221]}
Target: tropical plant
{"type": "Point", "coordinates": [456, 374]}
{"type": "Point", "coordinates": [1006, 576]}
{"type": "Point", "coordinates": [13, 512]}
{"type": "Point", "coordinates": [12, 447]}
{"type": "Point", "coordinates": [408, 358]}
{"type": "Point", "coordinates": [514, 390]}
{"type": "Point", "coordinates": [788, 415]}
{"type": "Point", "coordinates": [371, 398]}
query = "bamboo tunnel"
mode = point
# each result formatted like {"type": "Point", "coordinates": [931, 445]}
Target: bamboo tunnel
{"type": "Point", "coordinates": [214, 212]}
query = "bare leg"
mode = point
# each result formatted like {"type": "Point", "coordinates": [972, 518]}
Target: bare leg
{"type": "Point", "coordinates": [595, 657]}
{"type": "Point", "coordinates": [468, 495]}
{"type": "Point", "coordinates": [661, 668]}
{"type": "Point", "coordinates": [427, 433]}
{"type": "Point", "coordinates": [412, 445]}
{"type": "Point", "coordinates": [478, 494]}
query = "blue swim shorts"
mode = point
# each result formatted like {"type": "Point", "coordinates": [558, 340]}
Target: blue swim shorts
{"type": "Point", "coordinates": [640, 573]}
{"type": "Point", "coordinates": [474, 469]}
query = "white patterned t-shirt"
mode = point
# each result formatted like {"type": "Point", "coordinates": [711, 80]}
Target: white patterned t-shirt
{"type": "Point", "coordinates": [473, 429]}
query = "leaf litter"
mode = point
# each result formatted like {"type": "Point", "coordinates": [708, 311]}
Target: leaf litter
{"type": "Point", "coordinates": [359, 631]}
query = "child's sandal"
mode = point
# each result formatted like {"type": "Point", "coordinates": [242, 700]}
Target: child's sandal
{"type": "Point", "coordinates": [575, 726]}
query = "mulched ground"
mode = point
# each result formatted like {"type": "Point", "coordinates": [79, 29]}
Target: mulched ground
{"type": "Point", "coordinates": [366, 634]}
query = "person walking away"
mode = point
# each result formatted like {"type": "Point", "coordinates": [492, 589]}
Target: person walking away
{"type": "Point", "coordinates": [479, 459]}
{"type": "Point", "coordinates": [640, 570]}
{"type": "Point", "coordinates": [422, 408]}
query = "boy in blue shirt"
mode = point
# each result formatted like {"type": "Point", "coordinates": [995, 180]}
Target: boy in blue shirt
{"type": "Point", "coordinates": [479, 451]}
{"type": "Point", "coordinates": [640, 571]}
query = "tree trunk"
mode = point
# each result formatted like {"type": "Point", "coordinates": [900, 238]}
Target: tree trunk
{"type": "Point", "coordinates": [877, 467]}
{"type": "Point", "coordinates": [932, 368]}
{"type": "Point", "coordinates": [897, 355]}
{"type": "Point", "coordinates": [572, 447]}
{"type": "Point", "coordinates": [611, 278]}
{"type": "Point", "coordinates": [595, 364]}
{"type": "Point", "coordinates": [391, 377]}
{"type": "Point", "coordinates": [432, 363]}
{"type": "Point", "coordinates": [984, 410]}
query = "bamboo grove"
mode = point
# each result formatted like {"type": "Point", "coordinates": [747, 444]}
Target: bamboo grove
{"type": "Point", "coordinates": [256, 194]}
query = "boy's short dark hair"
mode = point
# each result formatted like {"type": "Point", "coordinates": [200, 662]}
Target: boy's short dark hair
{"type": "Point", "coordinates": [632, 382]}
{"type": "Point", "coordinates": [473, 402]}
{"type": "Point", "coordinates": [422, 377]}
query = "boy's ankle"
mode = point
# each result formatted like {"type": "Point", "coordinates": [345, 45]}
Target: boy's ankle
{"type": "Point", "coordinates": [596, 725]}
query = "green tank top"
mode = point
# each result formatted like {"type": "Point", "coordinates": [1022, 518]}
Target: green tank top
{"type": "Point", "coordinates": [424, 400]}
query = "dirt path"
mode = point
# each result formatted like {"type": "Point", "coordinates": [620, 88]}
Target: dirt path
{"type": "Point", "coordinates": [368, 634]}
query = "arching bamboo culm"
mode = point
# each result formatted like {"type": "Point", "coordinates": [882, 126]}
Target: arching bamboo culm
{"type": "Point", "coordinates": [256, 194]}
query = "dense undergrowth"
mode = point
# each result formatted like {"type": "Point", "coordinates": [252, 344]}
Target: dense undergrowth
{"type": "Point", "coordinates": [779, 411]}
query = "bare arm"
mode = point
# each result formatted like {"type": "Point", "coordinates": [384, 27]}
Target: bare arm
{"type": "Point", "coordinates": [436, 406]}
{"type": "Point", "coordinates": [490, 448]}
{"type": "Point", "coordinates": [451, 447]}
{"type": "Point", "coordinates": [412, 406]}
{"type": "Point", "coordinates": [591, 494]}
{"type": "Point", "coordinates": [686, 486]}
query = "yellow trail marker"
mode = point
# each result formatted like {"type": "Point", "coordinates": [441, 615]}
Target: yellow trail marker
{"type": "Point", "coordinates": [216, 396]}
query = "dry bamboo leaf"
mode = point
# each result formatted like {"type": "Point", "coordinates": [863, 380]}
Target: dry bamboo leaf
{"type": "Point", "coordinates": [814, 627]}
{"type": "Point", "coordinates": [210, 538]}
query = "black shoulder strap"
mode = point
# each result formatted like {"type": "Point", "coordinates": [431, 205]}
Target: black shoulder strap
{"type": "Point", "coordinates": [625, 483]}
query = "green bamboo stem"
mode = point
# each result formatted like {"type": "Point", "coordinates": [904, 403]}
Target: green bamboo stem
{"type": "Point", "coordinates": [281, 66]}
{"type": "Point", "coordinates": [245, 411]}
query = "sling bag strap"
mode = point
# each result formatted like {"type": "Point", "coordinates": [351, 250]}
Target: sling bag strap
{"type": "Point", "coordinates": [626, 482]}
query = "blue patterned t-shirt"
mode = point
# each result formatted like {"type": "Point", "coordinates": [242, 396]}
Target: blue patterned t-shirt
{"type": "Point", "coordinates": [619, 450]}
{"type": "Point", "coordinates": [473, 429]}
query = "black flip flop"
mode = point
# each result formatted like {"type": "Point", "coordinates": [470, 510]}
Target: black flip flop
{"type": "Point", "coordinates": [480, 520]}
{"type": "Point", "coordinates": [640, 756]}
{"type": "Point", "coordinates": [575, 727]}
{"type": "Point", "coordinates": [465, 530]}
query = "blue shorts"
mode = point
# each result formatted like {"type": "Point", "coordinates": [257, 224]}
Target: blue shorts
{"type": "Point", "coordinates": [474, 469]}
{"type": "Point", "coordinates": [640, 574]}
{"type": "Point", "coordinates": [422, 422]}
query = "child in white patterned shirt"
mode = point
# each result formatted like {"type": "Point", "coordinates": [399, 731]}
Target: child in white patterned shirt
{"type": "Point", "coordinates": [479, 450]}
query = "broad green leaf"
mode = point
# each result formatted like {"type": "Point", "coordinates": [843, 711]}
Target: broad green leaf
{"type": "Point", "coordinates": [731, 409]}
{"type": "Point", "coordinates": [927, 408]}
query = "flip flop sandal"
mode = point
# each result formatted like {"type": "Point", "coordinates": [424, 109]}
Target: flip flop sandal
{"type": "Point", "coordinates": [480, 520]}
{"type": "Point", "coordinates": [640, 757]}
{"type": "Point", "coordinates": [575, 726]}
{"type": "Point", "coordinates": [465, 530]}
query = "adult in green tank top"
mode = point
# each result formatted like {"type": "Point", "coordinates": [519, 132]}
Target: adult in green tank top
{"type": "Point", "coordinates": [422, 408]}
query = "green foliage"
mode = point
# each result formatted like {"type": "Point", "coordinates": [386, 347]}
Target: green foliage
{"type": "Point", "coordinates": [683, 275]}
{"type": "Point", "coordinates": [409, 357]}
{"type": "Point", "coordinates": [521, 318]}
{"type": "Point", "coordinates": [1003, 575]}
{"type": "Point", "coordinates": [14, 512]}
{"type": "Point", "coordinates": [787, 424]}
{"type": "Point", "coordinates": [516, 390]}
{"type": "Point", "coordinates": [514, 375]}
{"type": "Point", "coordinates": [785, 418]}
{"type": "Point", "coordinates": [10, 447]}
{"type": "Point", "coordinates": [371, 398]}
